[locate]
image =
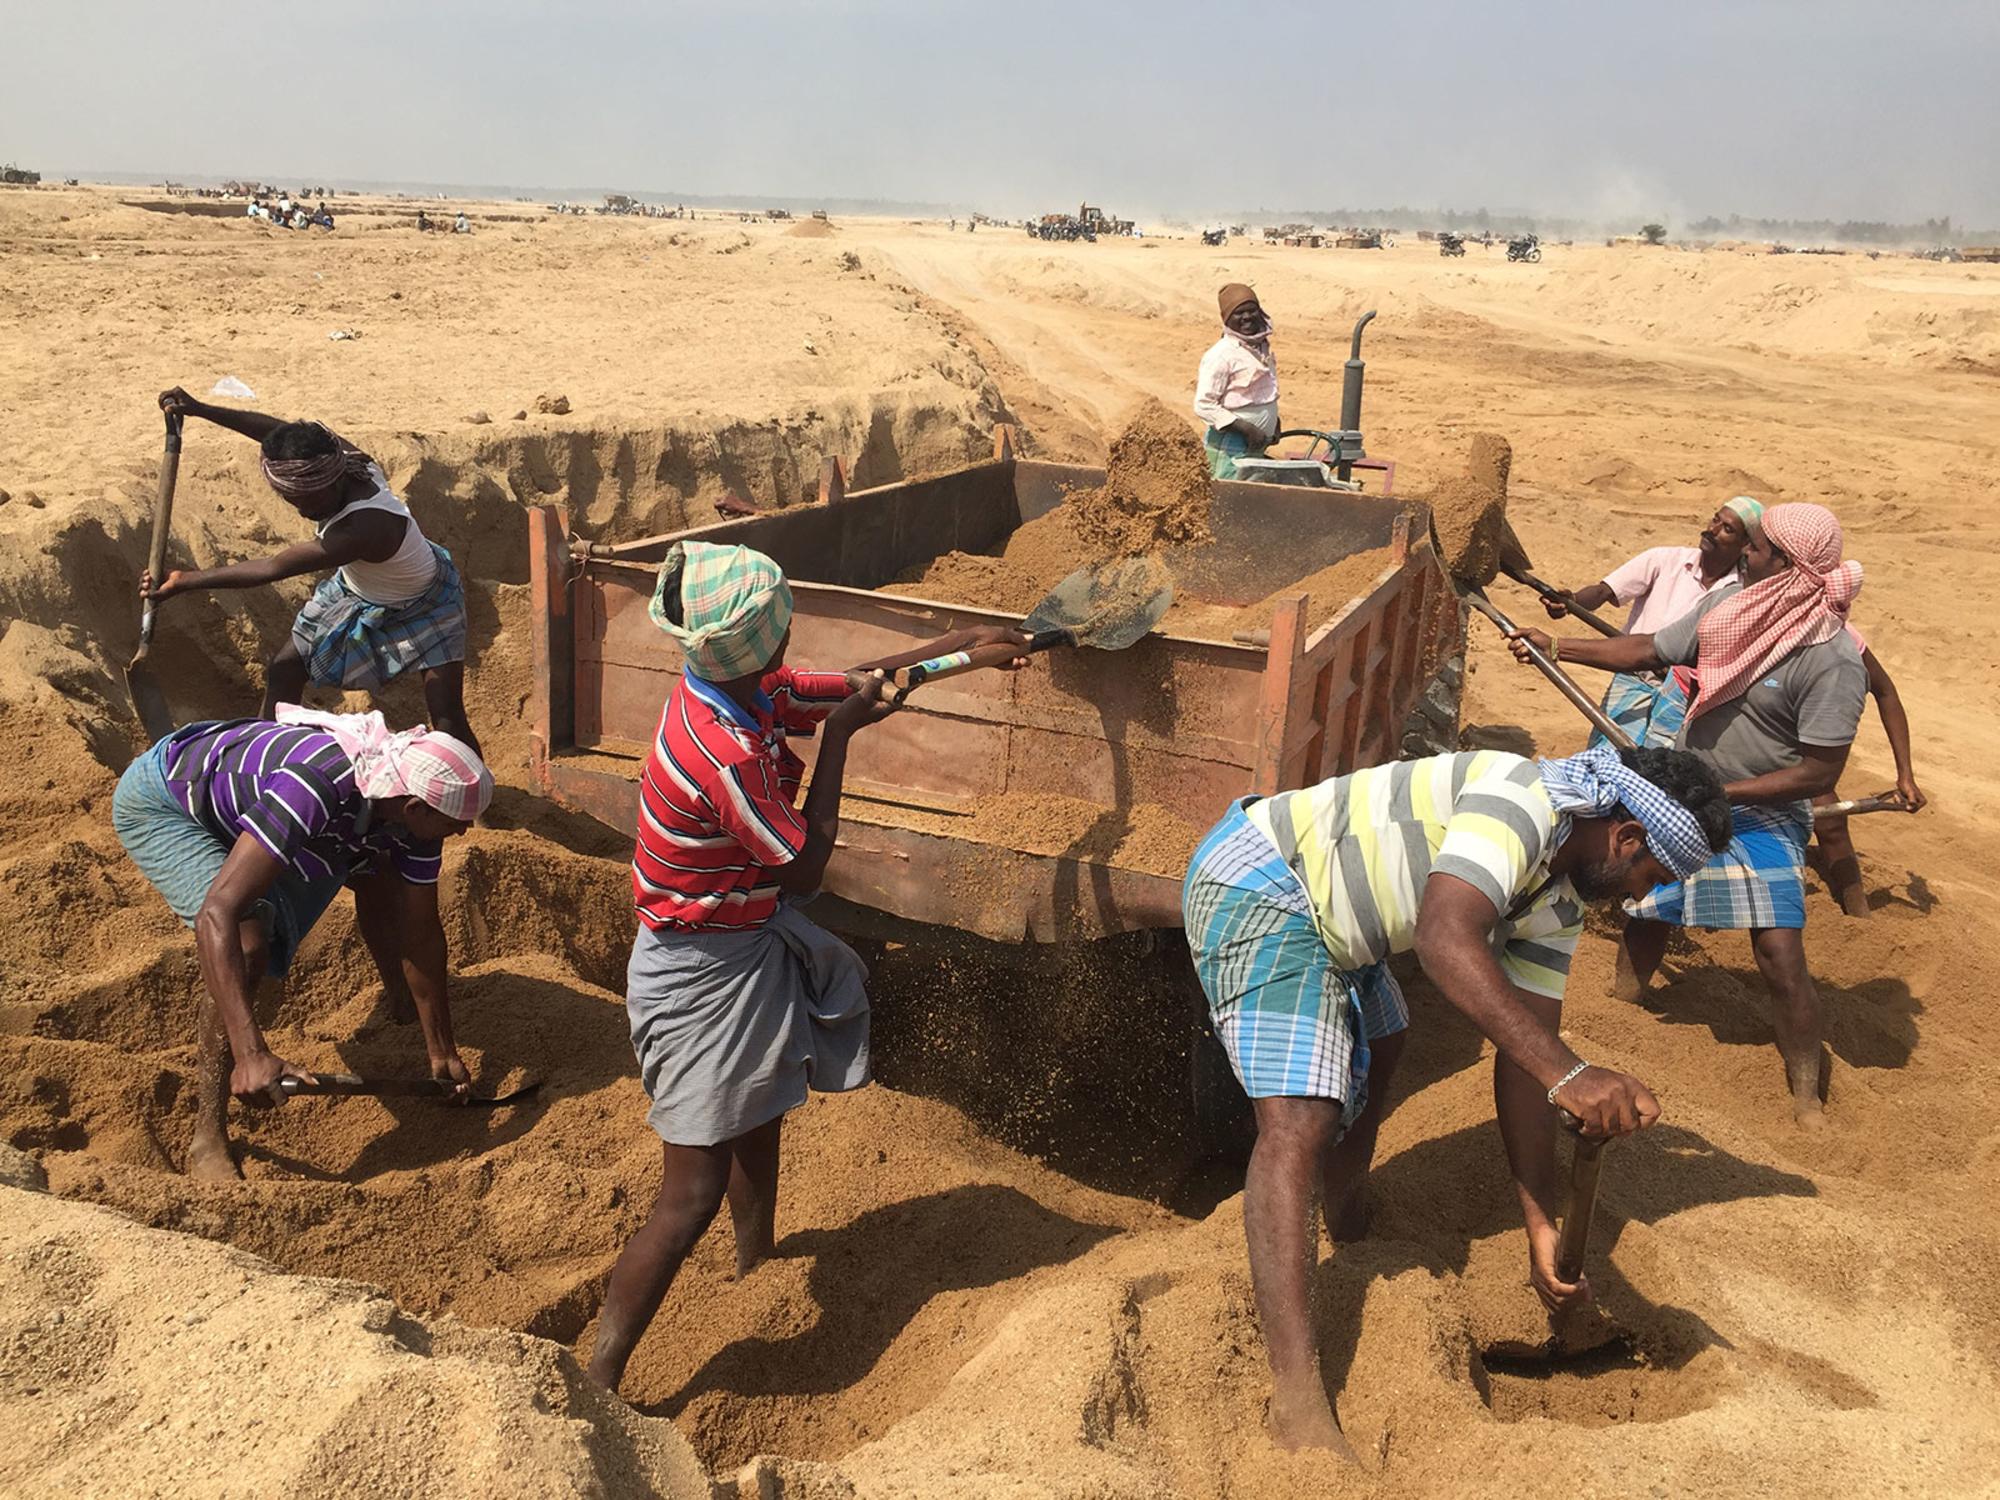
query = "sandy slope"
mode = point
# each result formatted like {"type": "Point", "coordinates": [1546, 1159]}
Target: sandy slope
{"type": "Point", "coordinates": [947, 1315]}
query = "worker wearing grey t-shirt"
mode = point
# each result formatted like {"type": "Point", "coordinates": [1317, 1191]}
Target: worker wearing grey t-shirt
{"type": "Point", "coordinates": [1781, 692]}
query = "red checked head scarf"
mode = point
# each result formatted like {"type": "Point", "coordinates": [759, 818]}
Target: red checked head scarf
{"type": "Point", "coordinates": [302, 478]}
{"type": "Point", "coordinates": [1805, 604]}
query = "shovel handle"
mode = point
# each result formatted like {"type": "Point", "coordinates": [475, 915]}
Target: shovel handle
{"type": "Point", "coordinates": [1589, 617]}
{"type": "Point", "coordinates": [1585, 705]}
{"type": "Point", "coordinates": [163, 511]}
{"type": "Point", "coordinates": [981, 656]}
{"type": "Point", "coordinates": [1585, 1167]}
{"type": "Point", "coordinates": [1891, 801]}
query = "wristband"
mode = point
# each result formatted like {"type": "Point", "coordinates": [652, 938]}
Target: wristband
{"type": "Point", "coordinates": [1566, 1080]}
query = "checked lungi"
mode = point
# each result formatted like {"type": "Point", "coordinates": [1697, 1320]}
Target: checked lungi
{"type": "Point", "coordinates": [1294, 1026]}
{"type": "Point", "coordinates": [351, 642]}
{"type": "Point", "coordinates": [1757, 882]}
{"type": "Point", "coordinates": [1651, 711]}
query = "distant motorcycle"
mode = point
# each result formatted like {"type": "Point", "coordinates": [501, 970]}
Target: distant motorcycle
{"type": "Point", "coordinates": [1215, 236]}
{"type": "Point", "coordinates": [1524, 247]}
{"type": "Point", "coordinates": [1451, 244]}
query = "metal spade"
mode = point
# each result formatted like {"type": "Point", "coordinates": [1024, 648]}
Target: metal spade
{"type": "Point", "coordinates": [1107, 607]}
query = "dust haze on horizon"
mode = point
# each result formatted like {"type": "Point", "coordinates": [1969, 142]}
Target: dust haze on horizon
{"type": "Point", "coordinates": [1609, 114]}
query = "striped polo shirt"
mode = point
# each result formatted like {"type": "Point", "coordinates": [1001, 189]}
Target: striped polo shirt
{"type": "Point", "coordinates": [291, 788]}
{"type": "Point", "coordinates": [1363, 846]}
{"type": "Point", "coordinates": [718, 801]}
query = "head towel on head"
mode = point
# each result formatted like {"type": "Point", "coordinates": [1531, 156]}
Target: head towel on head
{"type": "Point", "coordinates": [1233, 296]}
{"type": "Point", "coordinates": [726, 607]}
{"type": "Point", "coordinates": [1746, 509]}
{"type": "Point", "coordinates": [302, 478]}
{"type": "Point", "coordinates": [1598, 781]}
{"type": "Point", "coordinates": [1803, 605]}
{"type": "Point", "coordinates": [436, 768]}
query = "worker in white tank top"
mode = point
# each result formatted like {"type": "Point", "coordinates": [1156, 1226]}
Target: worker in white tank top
{"type": "Point", "coordinates": [393, 603]}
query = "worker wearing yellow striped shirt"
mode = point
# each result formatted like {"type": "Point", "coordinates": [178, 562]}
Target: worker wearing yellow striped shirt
{"type": "Point", "coordinates": [1479, 863]}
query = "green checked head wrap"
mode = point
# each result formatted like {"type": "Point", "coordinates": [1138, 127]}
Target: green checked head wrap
{"type": "Point", "coordinates": [726, 607]}
{"type": "Point", "coordinates": [1746, 509]}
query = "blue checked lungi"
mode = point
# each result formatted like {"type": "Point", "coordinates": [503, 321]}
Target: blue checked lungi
{"type": "Point", "coordinates": [352, 642]}
{"type": "Point", "coordinates": [1757, 882]}
{"type": "Point", "coordinates": [1651, 712]}
{"type": "Point", "coordinates": [1224, 445]}
{"type": "Point", "coordinates": [1294, 1026]}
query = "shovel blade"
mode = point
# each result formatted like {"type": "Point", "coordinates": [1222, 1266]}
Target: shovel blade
{"type": "Point", "coordinates": [1109, 606]}
{"type": "Point", "coordinates": [148, 701]}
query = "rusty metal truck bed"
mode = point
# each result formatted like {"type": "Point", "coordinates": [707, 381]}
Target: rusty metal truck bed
{"type": "Point", "coordinates": [1181, 723]}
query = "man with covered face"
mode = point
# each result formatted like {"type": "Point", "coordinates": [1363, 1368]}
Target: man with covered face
{"type": "Point", "coordinates": [1478, 862]}
{"type": "Point", "coordinates": [1236, 388]}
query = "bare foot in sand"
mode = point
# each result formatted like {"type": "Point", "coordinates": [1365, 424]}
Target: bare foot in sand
{"type": "Point", "coordinates": [209, 1160]}
{"type": "Point", "coordinates": [1625, 984]}
{"type": "Point", "coordinates": [1301, 1417]}
{"type": "Point", "coordinates": [1809, 1114]}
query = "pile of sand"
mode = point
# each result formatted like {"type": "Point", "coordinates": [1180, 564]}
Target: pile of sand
{"type": "Point", "coordinates": [811, 229]}
{"type": "Point", "coordinates": [134, 1361]}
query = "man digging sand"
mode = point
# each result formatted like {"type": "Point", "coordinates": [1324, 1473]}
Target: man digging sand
{"type": "Point", "coordinates": [1478, 863]}
{"type": "Point", "coordinates": [738, 1003]}
{"type": "Point", "coordinates": [1780, 689]}
{"type": "Point", "coordinates": [250, 828]}
{"type": "Point", "coordinates": [393, 602]}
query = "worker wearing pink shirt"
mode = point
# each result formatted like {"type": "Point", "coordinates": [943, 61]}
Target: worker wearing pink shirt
{"type": "Point", "coordinates": [1662, 584]}
{"type": "Point", "coordinates": [1236, 389]}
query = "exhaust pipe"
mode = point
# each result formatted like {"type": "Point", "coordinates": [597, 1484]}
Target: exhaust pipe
{"type": "Point", "coordinates": [1350, 395]}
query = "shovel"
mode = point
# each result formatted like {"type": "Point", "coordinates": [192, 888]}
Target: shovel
{"type": "Point", "coordinates": [419, 1088]}
{"type": "Point", "coordinates": [1890, 801]}
{"type": "Point", "coordinates": [1107, 607]}
{"type": "Point", "coordinates": [147, 699]}
{"type": "Point", "coordinates": [1514, 563]}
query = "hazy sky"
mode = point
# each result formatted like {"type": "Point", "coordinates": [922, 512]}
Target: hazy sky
{"type": "Point", "coordinates": [1609, 108]}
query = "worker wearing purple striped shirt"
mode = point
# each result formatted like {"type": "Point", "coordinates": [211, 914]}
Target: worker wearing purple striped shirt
{"type": "Point", "coordinates": [249, 829]}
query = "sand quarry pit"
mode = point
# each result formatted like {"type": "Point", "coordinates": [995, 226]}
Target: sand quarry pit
{"type": "Point", "coordinates": [972, 1296]}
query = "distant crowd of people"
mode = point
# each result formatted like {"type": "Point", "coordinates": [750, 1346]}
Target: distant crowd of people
{"type": "Point", "coordinates": [287, 213]}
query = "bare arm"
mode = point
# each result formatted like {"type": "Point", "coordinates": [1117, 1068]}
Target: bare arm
{"type": "Point", "coordinates": [1896, 724]}
{"type": "Point", "coordinates": [1615, 653]}
{"type": "Point", "coordinates": [370, 536]}
{"type": "Point", "coordinates": [1816, 773]}
{"type": "Point", "coordinates": [1452, 945]}
{"type": "Point", "coordinates": [246, 877]}
{"type": "Point", "coordinates": [1590, 596]}
{"type": "Point", "coordinates": [252, 424]}
{"type": "Point", "coordinates": [803, 873]}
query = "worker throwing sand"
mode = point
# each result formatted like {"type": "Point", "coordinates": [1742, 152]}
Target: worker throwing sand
{"type": "Point", "coordinates": [249, 829]}
{"type": "Point", "coordinates": [1236, 388]}
{"type": "Point", "coordinates": [1479, 863]}
{"type": "Point", "coordinates": [393, 603]}
{"type": "Point", "coordinates": [1662, 584]}
{"type": "Point", "coordinates": [738, 1003]}
{"type": "Point", "coordinates": [1779, 693]}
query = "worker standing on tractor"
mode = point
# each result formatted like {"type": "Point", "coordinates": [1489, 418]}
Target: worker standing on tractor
{"type": "Point", "coordinates": [737, 1002]}
{"type": "Point", "coordinates": [1236, 388]}
{"type": "Point", "coordinates": [392, 602]}
{"type": "Point", "coordinates": [1779, 691]}
{"type": "Point", "coordinates": [1479, 862]}
{"type": "Point", "coordinates": [1662, 584]}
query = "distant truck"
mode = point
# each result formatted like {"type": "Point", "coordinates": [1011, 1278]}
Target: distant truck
{"type": "Point", "coordinates": [14, 176]}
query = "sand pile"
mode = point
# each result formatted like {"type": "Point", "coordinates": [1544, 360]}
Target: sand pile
{"type": "Point", "coordinates": [1155, 496]}
{"type": "Point", "coordinates": [138, 1362]}
{"type": "Point", "coordinates": [811, 229]}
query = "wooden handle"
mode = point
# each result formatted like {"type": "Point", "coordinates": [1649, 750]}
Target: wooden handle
{"type": "Point", "coordinates": [1589, 617]}
{"type": "Point", "coordinates": [1585, 1167]}
{"type": "Point", "coordinates": [1891, 801]}
{"type": "Point", "coordinates": [997, 655]}
{"type": "Point", "coordinates": [1576, 695]}
{"type": "Point", "coordinates": [163, 512]}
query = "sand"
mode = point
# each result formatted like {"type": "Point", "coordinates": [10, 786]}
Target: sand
{"type": "Point", "coordinates": [992, 1277]}
{"type": "Point", "coordinates": [1469, 511]}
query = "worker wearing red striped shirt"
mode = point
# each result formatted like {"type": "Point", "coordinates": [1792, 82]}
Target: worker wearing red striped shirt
{"type": "Point", "coordinates": [738, 1003]}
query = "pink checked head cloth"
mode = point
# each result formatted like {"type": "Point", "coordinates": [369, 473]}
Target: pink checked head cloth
{"type": "Point", "coordinates": [436, 768]}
